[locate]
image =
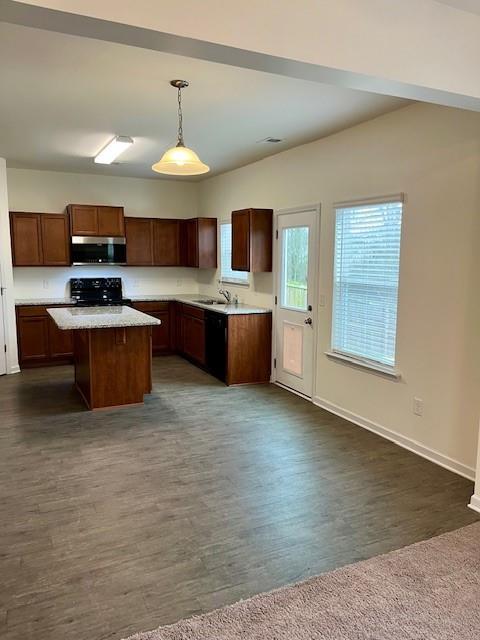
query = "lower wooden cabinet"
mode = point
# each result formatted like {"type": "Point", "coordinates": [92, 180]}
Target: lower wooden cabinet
{"type": "Point", "coordinates": [163, 335]}
{"type": "Point", "coordinates": [40, 342]}
{"type": "Point", "coordinates": [193, 333]}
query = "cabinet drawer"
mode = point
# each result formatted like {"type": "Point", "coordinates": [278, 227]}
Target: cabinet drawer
{"type": "Point", "coordinates": [195, 312]}
{"type": "Point", "coordinates": [152, 306]}
{"type": "Point", "coordinates": [35, 310]}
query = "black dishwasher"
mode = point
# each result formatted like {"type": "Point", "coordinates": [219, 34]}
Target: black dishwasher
{"type": "Point", "coordinates": [216, 344]}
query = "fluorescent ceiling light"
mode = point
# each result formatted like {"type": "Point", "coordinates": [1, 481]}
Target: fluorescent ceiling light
{"type": "Point", "coordinates": [113, 149]}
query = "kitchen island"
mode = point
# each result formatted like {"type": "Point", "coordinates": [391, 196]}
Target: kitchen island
{"type": "Point", "coordinates": [112, 353]}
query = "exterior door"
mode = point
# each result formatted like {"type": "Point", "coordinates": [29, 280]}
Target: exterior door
{"type": "Point", "coordinates": [296, 291]}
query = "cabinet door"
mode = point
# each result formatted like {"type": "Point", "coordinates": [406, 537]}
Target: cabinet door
{"type": "Point", "coordinates": [191, 243]}
{"type": "Point", "coordinates": [83, 220]}
{"type": "Point", "coordinates": [193, 330]}
{"type": "Point", "coordinates": [166, 243]}
{"type": "Point", "coordinates": [161, 334]}
{"type": "Point", "coordinates": [55, 239]}
{"type": "Point", "coordinates": [111, 221]}
{"type": "Point", "coordinates": [138, 232]}
{"type": "Point", "coordinates": [241, 240]}
{"type": "Point", "coordinates": [60, 343]}
{"type": "Point", "coordinates": [207, 243]}
{"type": "Point", "coordinates": [26, 239]}
{"type": "Point", "coordinates": [32, 339]}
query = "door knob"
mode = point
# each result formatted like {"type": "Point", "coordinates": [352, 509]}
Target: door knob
{"type": "Point", "coordinates": [308, 321]}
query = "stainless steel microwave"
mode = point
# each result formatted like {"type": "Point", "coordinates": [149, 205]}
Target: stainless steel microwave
{"type": "Point", "coordinates": [98, 250]}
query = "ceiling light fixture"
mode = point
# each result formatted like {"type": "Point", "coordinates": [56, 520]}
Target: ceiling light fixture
{"type": "Point", "coordinates": [113, 149]}
{"type": "Point", "coordinates": [180, 160]}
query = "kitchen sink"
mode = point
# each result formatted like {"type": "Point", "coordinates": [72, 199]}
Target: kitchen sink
{"type": "Point", "coordinates": [210, 301]}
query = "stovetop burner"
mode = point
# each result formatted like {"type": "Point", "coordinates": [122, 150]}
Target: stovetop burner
{"type": "Point", "coordinates": [97, 292]}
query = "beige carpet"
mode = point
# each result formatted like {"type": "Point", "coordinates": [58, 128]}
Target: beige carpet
{"type": "Point", "coordinates": [428, 591]}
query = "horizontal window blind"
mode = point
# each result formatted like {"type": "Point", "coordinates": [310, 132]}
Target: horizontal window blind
{"type": "Point", "coordinates": [366, 272]}
{"type": "Point", "coordinates": [226, 272]}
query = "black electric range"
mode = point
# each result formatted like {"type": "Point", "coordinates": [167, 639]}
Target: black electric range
{"type": "Point", "coordinates": [97, 292]}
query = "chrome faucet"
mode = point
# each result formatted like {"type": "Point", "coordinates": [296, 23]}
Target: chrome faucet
{"type": "Point", "coordinates": [226, 294]}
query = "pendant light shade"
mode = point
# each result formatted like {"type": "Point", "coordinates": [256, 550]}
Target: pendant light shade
{"type": "Point", "coordinates": [180, 160]}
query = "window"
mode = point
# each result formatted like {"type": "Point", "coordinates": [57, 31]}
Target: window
{"type": "Point", "coordinates": [226, 272]}
{"type": "Point", "coordinates": [366, 271]}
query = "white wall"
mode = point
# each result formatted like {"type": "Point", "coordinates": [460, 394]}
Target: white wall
{"type": "Point", "coordinates": [6, 275]}
{"type": "Point", "coordinates": [50, 191]}
{"type": "Point", "coordinates": [433, 155]}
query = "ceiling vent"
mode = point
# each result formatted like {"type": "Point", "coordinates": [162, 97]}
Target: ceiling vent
{"type": "Point", "coordinates": [270, 140]}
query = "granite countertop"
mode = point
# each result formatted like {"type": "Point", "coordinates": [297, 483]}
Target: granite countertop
{"type": "Point", "coordinates": [33, 302]}
{"type": "Point", "coordinates": [194, 299]}
{"type": "Point", "coordinates": [68, 318]}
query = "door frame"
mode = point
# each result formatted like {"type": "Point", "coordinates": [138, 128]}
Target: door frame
{"type": "Point", "coordinates": [315, 208]}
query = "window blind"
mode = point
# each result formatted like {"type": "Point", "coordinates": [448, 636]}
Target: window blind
{"type": "Point", "coordinates": [366, 272]}
{"type": "Point", "coordinates": [226, 272]}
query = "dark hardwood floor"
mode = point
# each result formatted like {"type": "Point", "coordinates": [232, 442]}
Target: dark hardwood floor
{"type": "Point", "coordinates": [122, 520]}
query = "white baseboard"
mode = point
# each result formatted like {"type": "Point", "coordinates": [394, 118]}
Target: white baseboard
{"type": "Point", "coordinates": [475, 503]}
{"type": "Point", "coordinates": [407, 443]}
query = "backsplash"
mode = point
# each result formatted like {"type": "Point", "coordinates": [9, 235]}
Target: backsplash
{"type": "Point", "coordinates": [53, 282]}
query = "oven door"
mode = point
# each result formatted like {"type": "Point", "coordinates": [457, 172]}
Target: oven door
{"type": "Point", "coordinates": [101, 250]}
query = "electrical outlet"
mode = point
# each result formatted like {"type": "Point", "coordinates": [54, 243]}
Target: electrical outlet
{"type": "Point", "coordinates": [322, 300]}
{"type": "Point", "coordinates": [179, 282]}
{"type": "Point", "coordinates": [418, 406]}
{"type": "Point", "coordinates": [46, 284]}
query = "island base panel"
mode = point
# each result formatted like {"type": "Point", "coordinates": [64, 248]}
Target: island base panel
{"type": "Point", "coordinates": [113, 367]}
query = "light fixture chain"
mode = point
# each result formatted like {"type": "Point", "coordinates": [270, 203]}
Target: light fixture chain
{"type": "Point", "coordinates": [180, 118]}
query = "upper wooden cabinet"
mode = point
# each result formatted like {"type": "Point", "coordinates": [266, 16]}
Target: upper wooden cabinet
{"type": "Point", "coordinates": [252, 235]}
{"type": "Point", "coordinates": [153, 242]}
{"type": "Point", "coordinates": [138, 232]}
{"type": "Point", "coordinates": [39, 239]}
{"type": "Point", "coordinates": [165, 242]}
{"type": "Point", "coordinates": [200, 243]}
{"type": "Point", "coordinates": [93, 220]}
{"type": "Point", "coordinates": [55, 239]}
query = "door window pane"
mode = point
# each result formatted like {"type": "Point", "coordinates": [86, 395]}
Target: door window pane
{"type": "Point", "coordinates": [295, 268]}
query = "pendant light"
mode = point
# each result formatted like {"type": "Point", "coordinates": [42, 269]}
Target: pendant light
{"type": "Point", "coordinates": [180, 160]}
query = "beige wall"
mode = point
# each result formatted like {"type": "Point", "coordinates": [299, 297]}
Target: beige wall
{"type": "Point", "coordinates": [50, 191]}
{"type": "Point", "coordinates": [433, 155]}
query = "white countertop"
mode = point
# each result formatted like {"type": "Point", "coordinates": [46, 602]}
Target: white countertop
{"type": "Point", "coordinates": [194, 299]}
{"type": "Point", "coordinates": [68, 318]}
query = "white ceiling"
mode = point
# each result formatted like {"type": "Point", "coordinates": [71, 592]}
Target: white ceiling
{"type": "Point", "coordinates": [63, 98]}
{"type": "Point", "coordinates": [471, 6]}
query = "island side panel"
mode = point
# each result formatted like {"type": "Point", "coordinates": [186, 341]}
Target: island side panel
{"type": "Point", "coordinates": [81, 347]}
{"type": "Point", "coordinates": [120, 365]}
{"type": "Point", "coordinates": [249, 348]}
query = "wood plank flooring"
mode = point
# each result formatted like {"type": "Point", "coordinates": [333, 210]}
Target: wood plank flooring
{"type": "Point", "coordinates": [122, 520]}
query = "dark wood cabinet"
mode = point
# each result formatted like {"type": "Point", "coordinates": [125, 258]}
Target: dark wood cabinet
{"type": "Point", "coordinates": [252, 237]}
{"type": "Point", "coordinates": [26, 237]}
{"type": "Point", "coordinates": [200, 243]}
{"type": "Point", "coordinates": [60, 342]}
{"type": "Point", "coordinates": [40, 341]}
{"type": "Point", "coordinates": [138, 232]}
{"type": "Point", "coordinates": [96, 220]}
{"type": "Point", "coordinates": [83, 220]}
{"type": "Point", "coordinates": [166, 242]}
{"type": "Point", "coordinates": [55, 239]}
{"type": "Point", "coordinates": [163, 335]}
{"type": "Point", "coordinates": [39, 239]}
{"type": "Point", "coordinates": [32, 340]}
{"type": "Point", "coordinates": [193, 333]}
{"type": "Point", "coordinates": [111, 221]}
